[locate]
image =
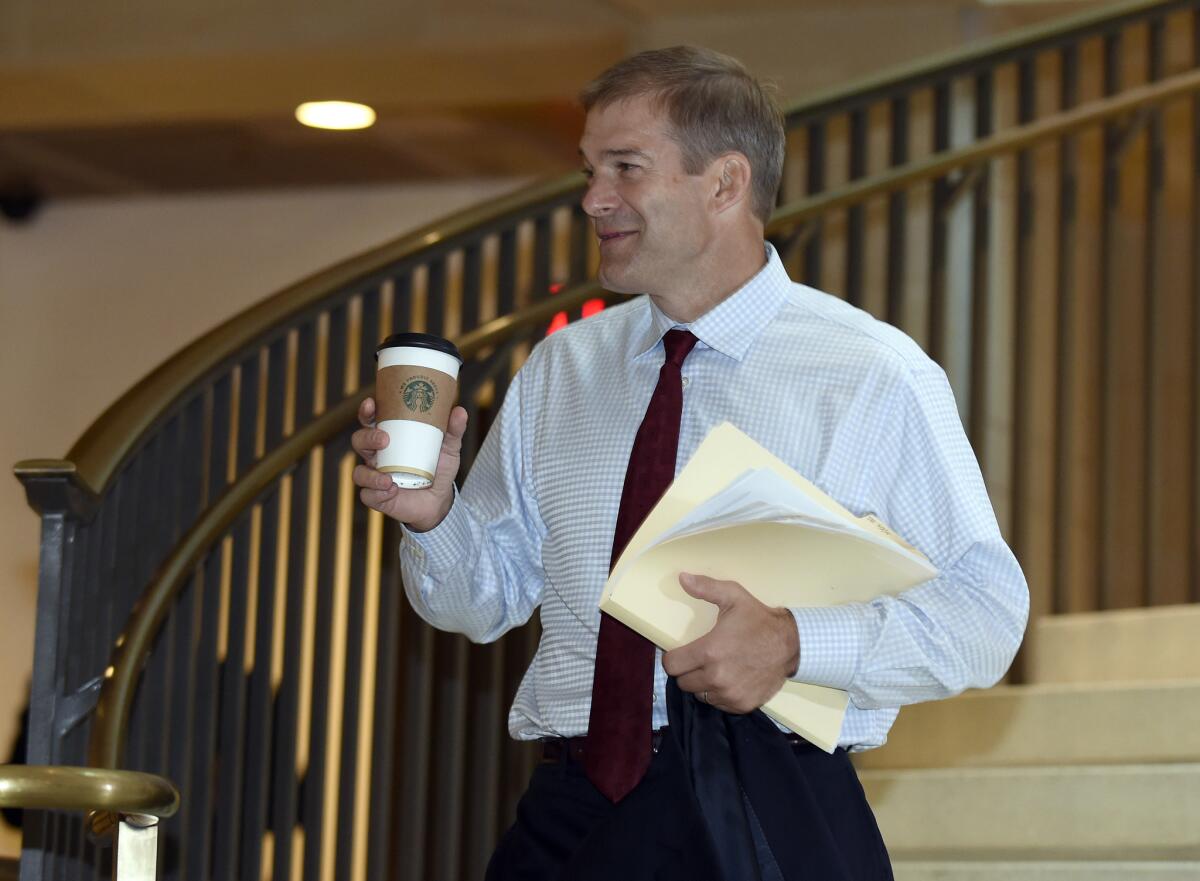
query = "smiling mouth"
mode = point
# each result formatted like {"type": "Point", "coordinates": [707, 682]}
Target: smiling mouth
{"type": "Point", "coordinates": [614, 236]}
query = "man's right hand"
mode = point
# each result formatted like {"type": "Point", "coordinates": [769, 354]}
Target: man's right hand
{"type": "Point", "coordinates": [419, 509]}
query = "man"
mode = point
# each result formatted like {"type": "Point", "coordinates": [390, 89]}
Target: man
{"type": "Point", "coordinates": [683, 152]}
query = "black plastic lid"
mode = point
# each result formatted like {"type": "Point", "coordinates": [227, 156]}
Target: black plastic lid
{"type": "Point", "coordinates": [420, 341]}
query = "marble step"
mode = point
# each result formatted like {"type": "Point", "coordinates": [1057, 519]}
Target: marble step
{"type": "Point", "coordinates": [1046, 870]}
{"type": "Point", "coordinates": [1123, 645]}
{"type": "Point", "coordinates": [1103, 812]}
{"type": "Point", "coordinates": [1057, 724]}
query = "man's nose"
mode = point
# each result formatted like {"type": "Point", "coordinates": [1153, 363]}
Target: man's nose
{"type": "Point", "coordinates": [599, 198]}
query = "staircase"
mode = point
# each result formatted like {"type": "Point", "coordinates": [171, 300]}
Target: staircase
{"type": "Point", "coordinates": [1075, 775]}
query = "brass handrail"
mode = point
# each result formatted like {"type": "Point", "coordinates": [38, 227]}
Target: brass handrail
{"type": "Point", "coordinates": [116, 696]}
{"type": "Point", "coordinates": [107, 741]}
{"type": "Point", "coordinates": [94, 459]}
{"type": "Point", "coordinates": [102, 790]}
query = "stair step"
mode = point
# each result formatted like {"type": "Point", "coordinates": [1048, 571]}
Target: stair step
{"type": "Point", "coordinates": [1108, 812]}
{"type": "Point", "coordinates": [1046, 871]}
{"type": "Point", "coordinates": [1059, 724]}
{"type": "Point", "coordinates": [1122, 645]}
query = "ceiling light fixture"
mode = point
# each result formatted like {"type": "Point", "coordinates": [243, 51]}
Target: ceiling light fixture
{"type": "Point", "coordinates": [337, 115]}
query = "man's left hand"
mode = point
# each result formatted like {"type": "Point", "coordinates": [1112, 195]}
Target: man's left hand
{"type": "Point", "coordinates": [744, 660]}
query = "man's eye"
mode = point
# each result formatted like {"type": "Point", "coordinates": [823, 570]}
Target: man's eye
{"type": "Point", "coordinates": [625, 166]}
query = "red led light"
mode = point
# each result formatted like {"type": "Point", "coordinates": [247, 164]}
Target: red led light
{"type": "Point", "coordinates": [557, 324]}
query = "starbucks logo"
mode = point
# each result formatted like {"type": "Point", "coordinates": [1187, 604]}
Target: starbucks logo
{"type": "Point", "coordinates": [419, 395]}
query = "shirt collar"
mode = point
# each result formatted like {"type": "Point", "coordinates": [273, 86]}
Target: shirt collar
{"type": "Point", "coordinates": [734, 324]}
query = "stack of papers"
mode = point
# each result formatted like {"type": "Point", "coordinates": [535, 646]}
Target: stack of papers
{"type": "Point", "coordinates": [738, 513]}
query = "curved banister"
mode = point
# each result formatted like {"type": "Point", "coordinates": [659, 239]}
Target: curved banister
{"type": "Point", "coordinates": [96, 457]}
{"type": "Point", "coordinates": [66, 788]}
{"type": "Point", "coordinates": [134, 645]}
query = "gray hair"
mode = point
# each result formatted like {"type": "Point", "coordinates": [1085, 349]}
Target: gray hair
{"type": "Point", "coordinates": [714, 104]}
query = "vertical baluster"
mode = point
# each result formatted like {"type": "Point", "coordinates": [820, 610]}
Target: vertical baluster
{"type": "Point", "coordinates": [1194, 264]}
{"type": "Point", "coordinates": [260, 703]}
{"type": "Point", "coordinates": [414, 749]}
{"type": "Point", "coordinates": [335, 358]}
{"type": "Point", "coordinates": [980, 264]}
{"type": "Point", "coordinates": [581, 238]}
{"type": "Point", "coordinates": [913, 310]}
{"type": "Point", "coordinates": [322, 718]}
{"type": "Point", "coordinates": [997, 362]}
{"type": "Point", "coordinates": [856, 229]}
{"type": "Point", "coordinates": [869, 285]}
{"type": "Point", "coordinates": [435, 295]}
{"type": "Point", "coordinates": [219, 438]}
{"type": "Point", "coordinates": [815, 166]}
{"type": "Point", "coordinates": [934, 331]}
{"type": "Point", "coordinates": [245, 448]}
{"type": "Point", "coordinates": [443, 841]}
{"type": "Point", "coordinates": [793, 187]}
{"type": "Point", "coordinates": [484, 730]}
{"type": "Point", "coordinates": [953, 315]}
{"type": "Point", "coordinates": [204, 696]}
{"type": "Point", "coordinates": [284, 776]}
{"type": "Point", "coordinates": [519, 757]}
{"type": "Point", "coordinates": [897, 249]}
{"type": "Point", "coordinates": [241, 602]}
{"type": "Point", "coordinates": [276, 394]}
{"type": "Point", "coordinates": [506, 274]}
{"type": "Point", "coordinates": [1082, 355]}
{"type": "Point", "coordinates": [352, 596]}
{"type": "Point", "coordinates": [1171, 525]}
{"type": "Point", "coordinates": [1125, 328]}
{"type": "Point", "coordinates": [1038, 364]}
{"type": "Point", "coordinates": [543, 256]}
{"type": "Point", "coordinates": [402, 307]}
{"type": "Point", "coordinates": [384, 733]}
{"type": "Point", "coordinates": [472, 284]}
{"type": "Point", "coordinates": [835, 251]}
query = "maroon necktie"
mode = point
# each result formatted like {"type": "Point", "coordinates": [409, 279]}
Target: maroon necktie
{"type": "Point", "coordinates": [619, 735]}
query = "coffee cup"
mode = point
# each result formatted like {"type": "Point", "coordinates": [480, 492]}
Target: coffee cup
{"type": "Point", "coordinates": [416, 382]}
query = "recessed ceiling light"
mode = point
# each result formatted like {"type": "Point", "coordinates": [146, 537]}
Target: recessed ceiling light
{"type": "Point", "coordinates": [339, 115]}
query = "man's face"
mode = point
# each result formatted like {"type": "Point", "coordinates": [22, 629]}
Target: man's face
{"type": "Point", "coordinates": [651, 217]}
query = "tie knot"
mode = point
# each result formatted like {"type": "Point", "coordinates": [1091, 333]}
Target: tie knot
{"type": "Point", "coordinates": [678, 343]}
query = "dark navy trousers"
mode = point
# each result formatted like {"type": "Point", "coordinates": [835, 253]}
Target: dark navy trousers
{"type": "Point", "coordinates": [567, 831]}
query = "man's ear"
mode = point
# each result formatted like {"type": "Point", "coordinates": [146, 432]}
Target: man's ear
{"type": "Point", "coordinates": [732, 181]}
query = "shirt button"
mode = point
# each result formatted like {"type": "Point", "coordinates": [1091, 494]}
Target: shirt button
{"type": "Point", "coordinates": [685, 382]}
{"type": "Point", "coordinates": [654, 698]}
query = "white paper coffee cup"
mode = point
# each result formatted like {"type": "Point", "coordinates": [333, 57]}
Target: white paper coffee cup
{"type": "Point", "coordinates": [416, 384]}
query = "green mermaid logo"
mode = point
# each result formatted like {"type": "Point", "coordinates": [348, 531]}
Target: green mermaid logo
{"type": "Point", "coordinates": [419, 395]}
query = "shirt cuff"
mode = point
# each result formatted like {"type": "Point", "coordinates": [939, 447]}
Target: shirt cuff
{"type": "Point", "coordinates": [832, 640]}
{"type": "Point", "coordinates": [440, 549]}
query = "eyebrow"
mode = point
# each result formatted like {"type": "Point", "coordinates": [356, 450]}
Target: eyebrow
{"type": "Point", "coordinates": [623, 153]}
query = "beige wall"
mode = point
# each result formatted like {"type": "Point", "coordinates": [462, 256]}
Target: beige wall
{"type": "Point", "coordinates": [94, 294]}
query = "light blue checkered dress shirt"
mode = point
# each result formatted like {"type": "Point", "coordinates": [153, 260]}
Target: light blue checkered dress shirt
{"type": "Point", "coordinates": [851, 403]}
